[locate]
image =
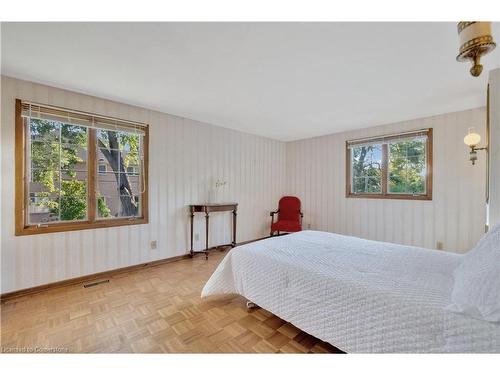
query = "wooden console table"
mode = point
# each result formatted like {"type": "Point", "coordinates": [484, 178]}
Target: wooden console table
{"type": "Point", "coordinates": [207, 208]}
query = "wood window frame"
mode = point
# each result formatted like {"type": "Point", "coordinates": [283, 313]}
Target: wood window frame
{"type": "Point", "coordinates": [385, 159]}
{"type": "Point", "coordinates": [93, 222]}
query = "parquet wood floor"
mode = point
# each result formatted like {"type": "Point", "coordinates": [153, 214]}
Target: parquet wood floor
{"type": "Point", "coordinates": [152, 310]}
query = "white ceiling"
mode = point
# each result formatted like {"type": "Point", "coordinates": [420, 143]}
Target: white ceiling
{"type": "Point", "coordinates": [281, 80]}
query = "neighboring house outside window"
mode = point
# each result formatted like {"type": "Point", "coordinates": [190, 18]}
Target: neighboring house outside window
{"type": "Point", "coordinates": [62, 150]}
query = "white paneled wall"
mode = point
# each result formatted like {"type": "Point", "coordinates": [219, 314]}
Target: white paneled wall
{"type": "Point", "coordinates": [185, 158]}
{"type": "Point", "coordinates": [456, 215]}
{"type": "Point", "coordinates": [494, 147]}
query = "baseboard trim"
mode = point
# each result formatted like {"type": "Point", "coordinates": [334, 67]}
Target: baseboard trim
{"type": "Point", "coordinates": [87, 278]}
{"type": "Point", "coordinates": [95, 276]}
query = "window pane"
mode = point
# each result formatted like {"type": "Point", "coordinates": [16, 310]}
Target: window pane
{"type": "Point", "coordinates": [407, 167]}
{"type": "Point", "coordinates": [416, 185]}
{"type": "Point", "coordinates": [73, 158]}
{"type": "Point", "coordinates": [44, 130]}
{"type": "Point", "coordinates": [130, 159]}
{"type": "Point", "coordinates": [74, 135]}
{"type": "Point", "coordinates": [108, 196]}
{"type": "Point", "coordinates": [45, 155]}
{"type": "Point", "coordinates": [108, 139]}
{"type": "Point", "coordinates": [397, 184]}
{"type": "Point", "coordinates": [115, 194]}
{"type": "Point", "coordinates": [58, 177]}
{"type": "Point", "coordinates": [110, 157]}
{"type": "Point", "coordinates": [73, 205]}
{"type": "Point", "coordinates": [44, 188]}
{"type": "Point", "coordinates": [105, 208]}
{"type": "Point", "coordinates": [415, 148]}
{"type": "Point", "coordinates": [42, 180]}
{"type": "Point", "coordinates": [107, 184]}
{"type": "Point", "coordinates": [129, 142]}
{"type": "Point", "coordinates": [119, 188]}
{"type": "Point", "coordinates": [366, 185]}
{"type": "Point", "coordinates": [367, 169]}
{"type": "Point", "coordinates": [43, 208]}
{"type": "Point", "coordinates": [134, 181]}
{"type": "Point", "coordinates": [374, 185]}
{"type": "Point", "coordinates": [130, 205]}
{"type": "Point", "coordinates": [132, 169]}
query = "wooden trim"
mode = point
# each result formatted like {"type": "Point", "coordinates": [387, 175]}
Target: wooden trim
{"type": "Point", "coordinates": [385, 194]}
{"type": "Point", "coordinates": [83, 279]}
{"type": "Point", "coordinates": [91, 174]}
{"type": "Point", "coordinates": [100, 275]}
{"type": "Point", "coordinates": [20, 181]}
{"type": "Point", "coordinates": [92, 222]}
{"type": "Point", "coordinates": [347, 170]}
{"type": "Point", "coordinates": [80, 225]}
{"type": "Point", "coordinates": [391, 196]}
{"type": "Point", "coordinates": [385, 166]}
{"type": "Point", "coordinates": [387, 138]}
{"type": "Point", "coordinates": [145, 195]}
{"type": "Point", "coordinates": [429, 149]}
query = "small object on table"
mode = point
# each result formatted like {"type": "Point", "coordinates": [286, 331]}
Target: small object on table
{"type": "Point", "coordinates": [207, 208]}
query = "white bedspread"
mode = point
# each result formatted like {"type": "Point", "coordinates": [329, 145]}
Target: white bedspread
{"type": "Point", "coordinates": [358, 295]}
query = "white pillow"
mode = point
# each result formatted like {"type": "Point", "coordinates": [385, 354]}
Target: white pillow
{"type": "Point", "coordinates": [476, 291]}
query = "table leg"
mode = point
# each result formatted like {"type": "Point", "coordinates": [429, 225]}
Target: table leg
{"type": "Point", "coordinates": [234, 228]}
{"type": "Point", "coordinates": [192, 219]}
{"type": "Point", "coordinates": [206, 234]}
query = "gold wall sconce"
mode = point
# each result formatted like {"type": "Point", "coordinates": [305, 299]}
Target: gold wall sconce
{"type": "Point", "coordinates": [475, 41]}
{"type": "Point", "coordinates": [472, 139]}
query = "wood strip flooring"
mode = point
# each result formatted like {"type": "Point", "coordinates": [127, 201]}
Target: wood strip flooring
{"type": "Point", "coordinates": [152, 310]}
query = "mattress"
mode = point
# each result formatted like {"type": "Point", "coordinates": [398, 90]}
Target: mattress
{"type": "Point", "coordinates": [360, 296]}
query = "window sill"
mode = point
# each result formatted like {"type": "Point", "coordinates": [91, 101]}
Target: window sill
{"type": "Point", "coordinates": [66, 227]}
{"type": "Point", "coordinates": [427, 197]}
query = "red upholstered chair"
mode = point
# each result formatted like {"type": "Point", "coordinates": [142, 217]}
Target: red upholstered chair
{"type": "Point", "coordinates": [289, 216]}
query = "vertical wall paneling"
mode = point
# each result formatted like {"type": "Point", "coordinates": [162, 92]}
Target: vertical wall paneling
{"type": "Point", "coordinates": [186, 158]}
{"type": "Point", "coordinates": [494, 148]}
{"type": "Point", "coordinates": [456, 215]}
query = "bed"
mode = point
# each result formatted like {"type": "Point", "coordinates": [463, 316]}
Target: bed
{"type": "Point", "coordinates": [358, 295]}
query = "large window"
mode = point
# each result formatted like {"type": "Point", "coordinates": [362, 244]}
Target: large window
{"type": "Point", "coordinates": [397, 166]}
{"type": "Point", "coordinates": [76, 170]}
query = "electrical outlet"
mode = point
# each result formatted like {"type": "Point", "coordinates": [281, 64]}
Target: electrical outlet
{"type": "Point", "coordinates": [308, 225]}
{"type": "Point", "coordinates": [439, 245]}
{"type": "Point", "coordinates": [154, 245]}
{"type": "Point", "coordinates": [196, 237]}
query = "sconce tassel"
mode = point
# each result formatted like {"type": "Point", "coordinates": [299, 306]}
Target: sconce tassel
{"type": "Point", "coordinates": [477, 68]}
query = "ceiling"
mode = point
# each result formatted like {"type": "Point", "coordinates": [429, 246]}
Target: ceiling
{"type": "Point", "coordinates": [285, 81]}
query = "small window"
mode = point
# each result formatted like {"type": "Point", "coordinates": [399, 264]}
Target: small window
{"type": "Point", "coordinates": [395, 167]}
{"type": "Point", "coordinates": [102, 168]}
{"type": "Point", "coordinates": [58, 153]}
{"type": "Point", "coordinates": [133, 170]}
